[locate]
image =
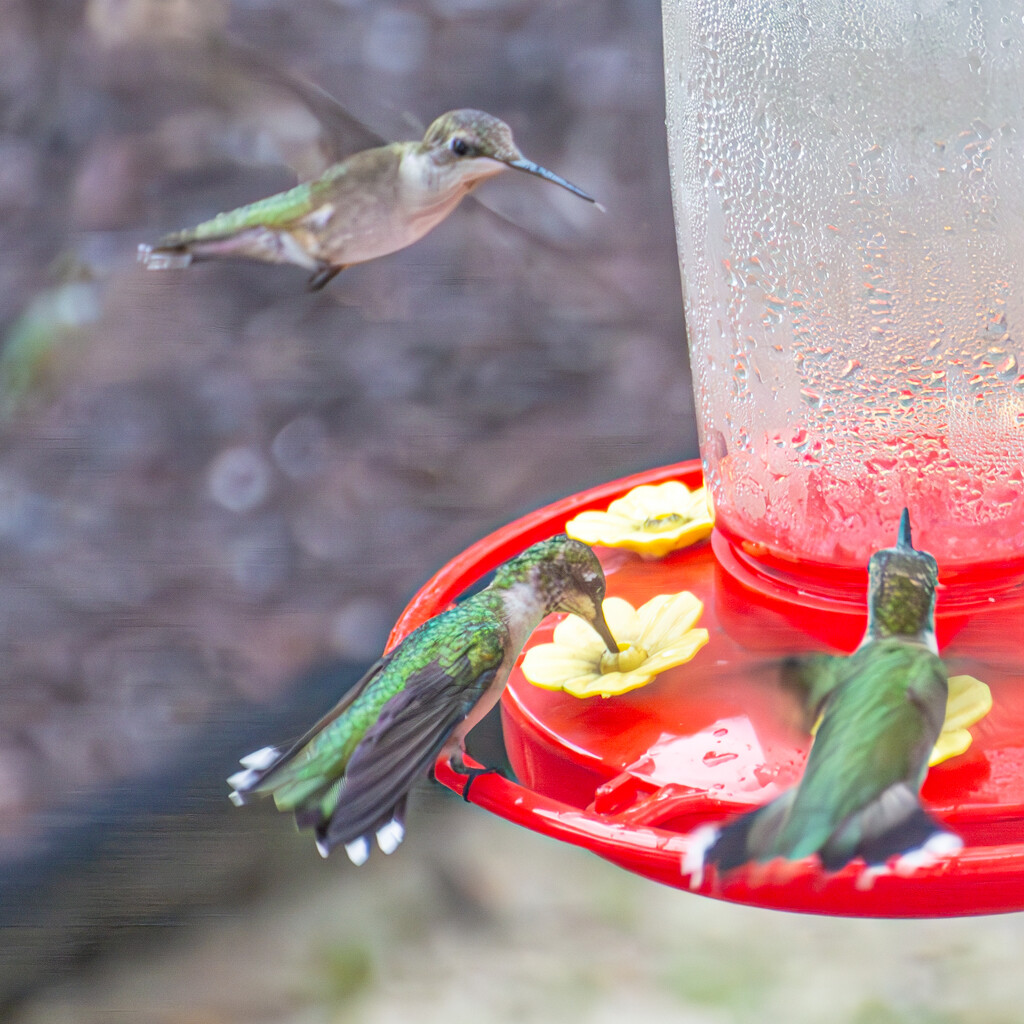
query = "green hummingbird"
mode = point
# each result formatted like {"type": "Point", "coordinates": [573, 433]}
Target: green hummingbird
{"type": "Point", "coordinates": [374, 203]}
{"type": "Point", "coordinates": [882, 709]}
{"type": "Point", "coordinates": [348, 776]}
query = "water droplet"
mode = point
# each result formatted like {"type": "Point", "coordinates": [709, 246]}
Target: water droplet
{"type": "Point", "coordinates": [1007, 368]}
{"type": "Point", "coordinates": [712, 758]}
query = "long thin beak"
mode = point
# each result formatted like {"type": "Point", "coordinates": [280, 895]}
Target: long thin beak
{"type": "Point", "coordinates": [601, 626]}
{"type": "Point", "coordinates": [903, 540]}
{"type": "Point", "coordinates": [542, 172]}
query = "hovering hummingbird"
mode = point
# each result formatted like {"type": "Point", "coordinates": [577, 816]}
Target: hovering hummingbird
{"type": "Point", "coordinates": [372, 204]}
{"type": "Point", "coordinates": [348, 777]}
{"type": "Point", "coordinates": [882, 709]}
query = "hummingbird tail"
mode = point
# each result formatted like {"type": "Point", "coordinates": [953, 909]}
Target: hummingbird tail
{"type": "Point", "coordinates": [158, 258]}
{"type": "Point", "coordinates": [894, 825]}
{"type": "Point", "coordinates": [255, 768]}
{"type": "Point", "coordinates": [257, 243]}
{"type": "Point", "coordinates": [389, 831]}
{"type": "Point", "coordinates": [313, 802]}
{"type": "Point", "coordinates": [749, 837]}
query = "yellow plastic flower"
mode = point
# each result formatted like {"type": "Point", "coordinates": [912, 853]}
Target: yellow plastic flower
{"type": "Point", "coordinates": [968, 702]}
{"type": "Point", "coordinates": [651, 520]}
{"type": "Point", "coordinates": [655, 637]}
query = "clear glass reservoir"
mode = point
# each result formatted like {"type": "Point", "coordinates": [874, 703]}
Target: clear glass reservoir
{"type": "Point", "coordinates": [848, 185]}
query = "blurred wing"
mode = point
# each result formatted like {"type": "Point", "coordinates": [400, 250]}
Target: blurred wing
{"type": "Point", "coordinates": [217, 98]}
{"type": "Point", "coordinates": [812, 678]}
{"type": "Point", "coordinates": [342, 133]}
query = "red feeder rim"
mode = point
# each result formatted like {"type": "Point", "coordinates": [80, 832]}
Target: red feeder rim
{"type": "Point", "coordinates": [630, 777]}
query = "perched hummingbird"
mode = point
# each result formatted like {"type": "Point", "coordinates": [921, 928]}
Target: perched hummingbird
{"type": "Point", "coordinates": [882, 711]}
{"type": "Point", "coordinates": [349, 776]}
{"type": "Point", "coordinates": [372, 204]}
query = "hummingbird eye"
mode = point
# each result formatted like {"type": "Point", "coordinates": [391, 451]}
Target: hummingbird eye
{"type": "Point", "coordinates": [460, 147]}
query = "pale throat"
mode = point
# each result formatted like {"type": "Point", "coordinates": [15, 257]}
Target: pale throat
{"type": "Point", "coordinates": [431, 188]}
{"type": "Point", "coordinates": [524, 608]}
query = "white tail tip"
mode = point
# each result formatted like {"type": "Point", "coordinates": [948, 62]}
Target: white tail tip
{"type": "Point", "coordinates": [243, 780]}
{"type": "Point", "coordinates": [156, 259]}
{"type": "Point", "coordinates": [323, 849]}
{"type": "Point", "coordinates": [260, 759]}
{"type": "Point", "coordinates": [937, 847]}
{"type": "Point", "coordinates": [390, 836]}
{"type": "Point", "coordinates": [358, 851]}
{"type": "Point", "coordinates": [700, 840]}
{"type": "Point", "coordinates": [236, 798]}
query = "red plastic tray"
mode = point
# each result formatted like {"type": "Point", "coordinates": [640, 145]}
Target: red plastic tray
{"type": "Point", "coordinates": [629, 777]}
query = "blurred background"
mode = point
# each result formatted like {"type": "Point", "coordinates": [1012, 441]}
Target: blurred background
{"type": "Point", "coordinates": [217, 491]}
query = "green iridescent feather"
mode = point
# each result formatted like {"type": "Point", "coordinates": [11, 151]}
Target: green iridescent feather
{"type": "Point", "coordinates": [889, 691]}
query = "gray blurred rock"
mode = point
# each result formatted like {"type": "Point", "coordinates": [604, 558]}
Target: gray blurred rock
{"type": "Point", "coordinates": [261, 558]}
{"type": "Point", "coordinates": [397, 41]}
{"type": "Point", "coordinates": [361, 627]}
{"type": "Point", "coordinates": [300, 448]}
{"type": "Point", "coordinates": [19, 173]}
{"type": "Point", "coordinates": [239, 479]}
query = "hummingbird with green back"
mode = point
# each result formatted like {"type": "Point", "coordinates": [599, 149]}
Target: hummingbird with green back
{"type": "Point", "coordinates": [374, 203]}
{"type": "Point", "coordinates": [348, 777]}
{"type": "Point", "coordinates": [881, 711]}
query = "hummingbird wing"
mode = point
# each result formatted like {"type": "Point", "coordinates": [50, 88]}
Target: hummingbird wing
{"type": "Point", "coordinates": [812, 677]}
{"type": "Point", "coordinates": [275, 211]}
{"type": "Point", "coordinates": [341, 132]}
{"type": "Point", "coordinates": [402, 746]}
{"type": "Point", "coordinates": [859, 792]}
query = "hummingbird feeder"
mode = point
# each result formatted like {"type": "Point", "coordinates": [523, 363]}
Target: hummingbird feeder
{"type": "Point", "coordinates": [849, 204]}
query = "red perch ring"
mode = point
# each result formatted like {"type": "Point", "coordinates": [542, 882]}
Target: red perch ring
{"type": "Point", "coordinates": [629, 777]}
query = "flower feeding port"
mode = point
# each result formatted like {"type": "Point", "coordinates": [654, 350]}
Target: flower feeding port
{"type": "Point", "coordinates": [629, 777]}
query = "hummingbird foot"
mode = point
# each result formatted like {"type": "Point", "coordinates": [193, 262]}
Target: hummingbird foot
{"type": "Point", "coordinates": [323, 276]}
{"type": "Point", "coordinates": [472, 774]}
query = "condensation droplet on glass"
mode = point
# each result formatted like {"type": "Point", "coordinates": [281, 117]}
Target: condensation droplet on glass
{"type": "Point", "coordinates": [713, 758]}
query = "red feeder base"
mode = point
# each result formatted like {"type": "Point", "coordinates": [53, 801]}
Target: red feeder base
{"type": "Point", "coordinates": [629, 777]}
